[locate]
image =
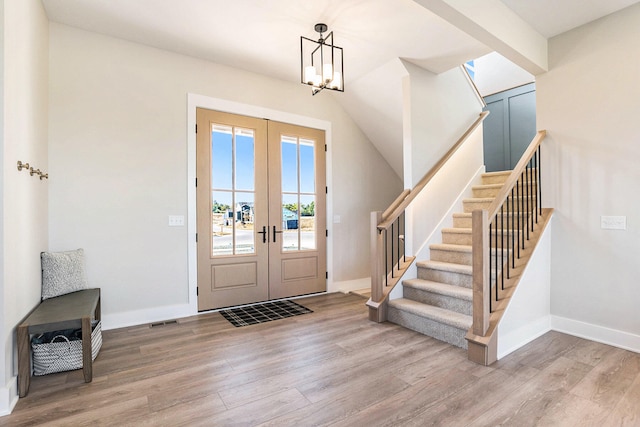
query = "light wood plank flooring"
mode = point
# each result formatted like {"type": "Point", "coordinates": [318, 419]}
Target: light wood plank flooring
{"type": "Point", "coordinates": [332, 367]}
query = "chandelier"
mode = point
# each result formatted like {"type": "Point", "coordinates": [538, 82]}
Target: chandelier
{"type": "Point", "coordinates": [321, 64]}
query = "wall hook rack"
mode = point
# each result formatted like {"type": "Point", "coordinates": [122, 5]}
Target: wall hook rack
{"type": "Point", "coordinates": [32, 171]}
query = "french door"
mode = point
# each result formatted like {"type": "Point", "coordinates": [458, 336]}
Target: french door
{"type": "Point", "coordinates": [260, 210]}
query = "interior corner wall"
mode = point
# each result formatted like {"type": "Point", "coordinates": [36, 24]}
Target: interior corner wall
{"type": "Point", "coordinates": [24, 197]}
{"type": "Point", "coordinates": [4, 344]}
{"type": "Point", "coordinates": [118, 162]}
{"type": "Point", "coordinates": [588, 103]}
{"type": "Point", "coordinates": [494, 73]}
{"type": "Point", "coordinates": [441, 108]}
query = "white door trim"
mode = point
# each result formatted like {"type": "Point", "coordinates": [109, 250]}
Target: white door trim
{"type": "Point", "coordinates": [195, 101]}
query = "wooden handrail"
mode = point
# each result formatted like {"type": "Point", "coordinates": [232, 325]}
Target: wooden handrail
{"type": "Point", "coordinates": [390, 219]}
{"type": "Point", "coordinates": [515, 174]}
{"type": "Point", "coordinates": [473, 85]}
{"type": "Point", "coordinates": [395, 203]}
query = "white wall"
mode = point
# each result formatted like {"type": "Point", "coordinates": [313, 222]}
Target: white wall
{"type": "Point", "coordinates": [377, 107]}
{"type": "Point", "coordinates": [438, 109]}
{"type": "Point", "coordinates": [494, 73]}
{"type": "Point", "coordinates": [5, 387]}
{"type": "Point", "coordinates": [25, 121]}
{"type": "Point", "coordinates": [118, 152]}
{"type": "Point", "coordinates": [589, 104]}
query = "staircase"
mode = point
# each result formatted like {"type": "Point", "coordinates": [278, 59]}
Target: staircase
{"type": "Point", "coordinates": [439, 302]}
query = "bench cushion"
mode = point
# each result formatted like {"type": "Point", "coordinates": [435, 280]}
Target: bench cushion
{"type": "Point", "coordinates": [62, 273]}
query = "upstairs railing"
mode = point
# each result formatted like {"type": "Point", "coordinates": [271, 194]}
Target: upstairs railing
{"type": "Point", "coordinates": [500, 234]}
{"type": "Point", "coordinates": [389, 260]}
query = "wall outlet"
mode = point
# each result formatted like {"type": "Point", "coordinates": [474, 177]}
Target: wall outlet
{"type": "Point", "coordinates": [176, 220]}
{"type": "Point", "coordinates": [613, 222]}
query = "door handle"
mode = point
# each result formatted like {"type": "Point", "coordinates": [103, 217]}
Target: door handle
{"type": "Point", "coordinates": [274, 233]}
{"type": "Point", "coordinates": [264, 233]}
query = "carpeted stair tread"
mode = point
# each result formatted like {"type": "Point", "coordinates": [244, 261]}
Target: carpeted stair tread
{"type": "Point", "coordinates": [445, 266]}
{"type": "Point", "coordinates": [462, 215]}
{"type": "Point", "coordinates": [440, 315]}
{"type": "Point", "coordinates": [457, 230]}
{"type": "Point", "coordinates": [497, 173]}
{"type": "Point", "coordinates": [440, 288]}
{"type": "Point", "coordinates": [451, 247]}
{"type": "Point", "coordinates": [486, 186]}
{"type": "Point", "coordinates": [478, 200]}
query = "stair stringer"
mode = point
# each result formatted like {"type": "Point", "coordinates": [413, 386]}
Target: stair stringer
{"type": "Point", "coordinates": [528, 315]}
{"type": "Point", "coordinates": [446, 221]}
{"type": "Point", "coordinates": [524, 324]}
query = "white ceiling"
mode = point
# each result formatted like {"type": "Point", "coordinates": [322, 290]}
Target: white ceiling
{"type": "Point", "coordinates": [263, 36]}
{"type": "Point", "coordinates": [553, 17]}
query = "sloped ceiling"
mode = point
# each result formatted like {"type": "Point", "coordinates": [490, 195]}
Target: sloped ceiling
{"type": "Point", "coordinates": [264, 37]}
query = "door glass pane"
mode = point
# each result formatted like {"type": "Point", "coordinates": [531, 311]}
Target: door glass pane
{"type": "Point", "coordinates": [244, 154]}
{"type": "Point", "coordinates": [244, 236]}
{"type": "Point", "coordinates": [221, 157]}
{"type": "Point", "coordinates": [307, 167]}
{"type": "Point", "coordinates": [298, 194]}
{"type": "Point", "coordinates": [232, 169]}
{"type": "Point", "coordinates": [222, 223]}
{"type": "Point", "coordinates": [307, 222]}
{"type": "Point", "coordinates": [289, 148]}
{"type": "Point", "coordinates": [290, 225]}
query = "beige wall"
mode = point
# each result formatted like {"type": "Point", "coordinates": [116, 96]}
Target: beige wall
{"type": "Point", "coordinates": [118, 152]}
{"type": "Point", "coordinates": [24, 198]}
{"type": "Point", "coordinates": [589, 102]}
{"type": "Point", "coordinates": [494, 73]}
{"type": "Point", "coordinates": [438, 109]}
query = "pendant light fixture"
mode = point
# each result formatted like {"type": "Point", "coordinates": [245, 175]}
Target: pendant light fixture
{"type": "Point", "coordinates": [321, 64]}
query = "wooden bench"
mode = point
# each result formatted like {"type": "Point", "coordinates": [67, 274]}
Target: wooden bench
{"type": "Point", "coordinates": [70, 311]}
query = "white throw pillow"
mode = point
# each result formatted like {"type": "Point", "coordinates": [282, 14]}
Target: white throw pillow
{"type": "Point", "coordinates": [62, 273]}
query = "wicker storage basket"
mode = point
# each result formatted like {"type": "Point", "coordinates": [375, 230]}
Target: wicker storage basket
{"type": "Point", "coordinates": [62, 353]}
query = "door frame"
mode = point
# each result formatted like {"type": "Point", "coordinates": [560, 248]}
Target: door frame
{"type": "Point", "coordinates": [195, 101]}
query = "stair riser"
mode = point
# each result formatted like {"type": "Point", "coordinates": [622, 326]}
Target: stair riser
{"type": "Point", "coordinates": [485, 192]}
{"type": "Point", "coordinates": [446, 333]}
{"type": "Point", "coordinates": [462, 258]}
{"type": "Point", "coordinates": [457, 238]}
{"type": "Point", "coordinates": [437, 300]}
{"type": "Point", "coordinates": [466, 239]}
{"type": "Point", "coordinates": [494, 179]}
{"type": "Point", "coordinates": [514, 204]}
{"type": "Point", "coordinates": [467, 222]}
{"type": "Point", "coordinates": [449, 277]}
{"type": "Point", "coordinates": [500, 179]}
{"type": "Point", "coordinates": [454, 257]}
{"type": "Point", "coordinates": [462, 222]}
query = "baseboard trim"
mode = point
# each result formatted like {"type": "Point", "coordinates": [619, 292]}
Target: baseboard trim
{"type": "Point", "coordinates": [9, 396]}
{"type": "Point", "coordinates": [140, 317]}
{"type": "Point", "coordinates": [347, 286]}
{"type": "Point", "coordinates": [601, 334]}
{"type": "Point", "coordinates": [512, 341]}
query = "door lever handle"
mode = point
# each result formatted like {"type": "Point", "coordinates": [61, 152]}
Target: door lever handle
{"type": "Point", "coordinates": [274, 233]}
{"type": "Point", "coordinates": [264, 233]}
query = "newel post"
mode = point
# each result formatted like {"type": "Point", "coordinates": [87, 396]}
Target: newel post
{"type": "Point", "coordinates": [481, 287]}
{"type": "Point", "coordinates": [377, 311]}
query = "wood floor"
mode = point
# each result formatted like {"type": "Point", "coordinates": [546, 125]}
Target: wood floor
{"type": "Point", "coordinates": [332, 367]}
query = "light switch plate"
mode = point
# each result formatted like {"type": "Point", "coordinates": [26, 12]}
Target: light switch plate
{"type": "Point", "coordinates": [176, 220]}
{"type": "Point", "coordinates": [613, 222]}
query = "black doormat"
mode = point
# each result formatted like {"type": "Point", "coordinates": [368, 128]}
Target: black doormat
{"type": "Point", "coordinates": [266, 312]}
